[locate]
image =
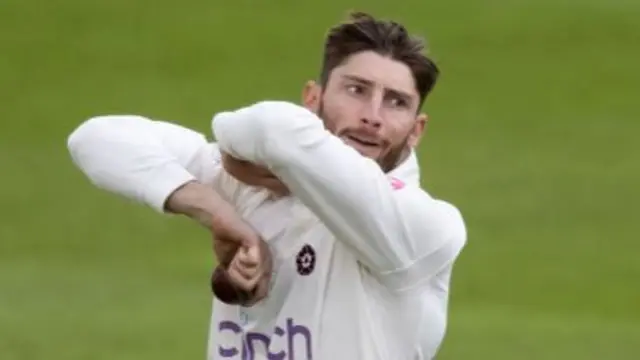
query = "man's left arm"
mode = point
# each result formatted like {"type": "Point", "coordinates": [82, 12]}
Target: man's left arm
{"type": "Point", "coordinates": [402, 235]}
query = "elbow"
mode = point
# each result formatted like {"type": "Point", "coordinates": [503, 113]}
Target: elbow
{"type": "Point", "coordinates": [281, 119]}
{"type": "Point", "coordinates": [289, 127]}
{"type": "Point", "coordinates": [273, 129]}
{"type": "Point", "coordinates": [94, 130]}
{"type": "Point", "coordinates": [266, 121]}
{"type": "Point", "coordinates": [84, 134]}
{"type": "Point", "coordinates": [285, 118]}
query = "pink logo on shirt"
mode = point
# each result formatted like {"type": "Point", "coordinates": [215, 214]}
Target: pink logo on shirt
{"type": "Point", "coordinates": [396, 183]}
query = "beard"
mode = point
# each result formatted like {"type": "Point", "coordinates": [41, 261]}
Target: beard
{"type": "Point", "coordinates": [388, 159]}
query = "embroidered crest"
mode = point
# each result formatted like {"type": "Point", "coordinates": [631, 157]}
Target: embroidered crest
{"type": "Point", "coordinates": [306, 260]}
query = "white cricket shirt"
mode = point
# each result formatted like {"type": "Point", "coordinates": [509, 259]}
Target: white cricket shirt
{"type": "Point", "coordinates": [362, 259]}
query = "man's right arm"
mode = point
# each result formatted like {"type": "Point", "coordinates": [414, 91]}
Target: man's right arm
{"type": "Point", "coordinates": [170, 168]}
{"type": "Point", "coordinates": [156, 163]}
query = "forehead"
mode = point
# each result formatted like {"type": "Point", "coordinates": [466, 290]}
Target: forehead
{"type": "Point", "coordinates": [381, 70]}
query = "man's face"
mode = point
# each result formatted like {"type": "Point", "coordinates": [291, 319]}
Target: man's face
{"type": "Point", "coordinates": [371, 103]}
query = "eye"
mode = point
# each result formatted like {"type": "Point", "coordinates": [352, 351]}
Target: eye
{"type": "Point", "coordinates": [398, 102]}
{"type": "Point", "coordinates": [355, 89]}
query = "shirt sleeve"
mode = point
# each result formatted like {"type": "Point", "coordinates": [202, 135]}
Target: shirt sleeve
{"type": "Point", "coordinates": [139, 158]}
{"type": "Point", "coordinates": [403, 235]}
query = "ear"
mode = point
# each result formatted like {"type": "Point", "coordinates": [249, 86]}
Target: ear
{"type": "Point", "coordinates": [418, 130]}
{"type": "Point", "coordinates": [311, 95]}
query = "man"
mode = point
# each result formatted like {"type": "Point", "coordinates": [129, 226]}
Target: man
{"type": "Point", "coordinates": [359, 257]}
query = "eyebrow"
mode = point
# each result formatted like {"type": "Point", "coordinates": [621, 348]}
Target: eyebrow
{"type": "Point", "coordinates": [368, 82]}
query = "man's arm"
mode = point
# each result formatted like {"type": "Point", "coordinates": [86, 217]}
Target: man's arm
{"type": "Point", "coordinates": [162, 165]}
{"type": "Point", "coordinates": [403, 235]}
{"type": "Point", "coordinates": [165, 166]}
{"type": "Point", "coordinates": [142, 159]}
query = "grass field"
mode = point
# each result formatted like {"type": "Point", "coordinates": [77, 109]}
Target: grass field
{"type": "Point", "coordinates": [534, 135]}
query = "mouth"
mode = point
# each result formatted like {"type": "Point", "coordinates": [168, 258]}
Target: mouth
{"type": "Point", "coordinates": [360, 140]}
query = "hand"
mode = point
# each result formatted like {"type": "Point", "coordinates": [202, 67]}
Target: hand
{"type": "Point", "coordinates": [251, 269]}
{"type": "Point", "coordinates": [208, 208]}
{"type": "Point", "coordinates": [245, 263]}
{"type": "Point", "coordinates": [234, 242]}
{"type": "Point", "coordinates": [253, 175]}
{"type": "Point", "coordinates": [246, 280]}
{"type": "Point", "coordinates": [233, 235]}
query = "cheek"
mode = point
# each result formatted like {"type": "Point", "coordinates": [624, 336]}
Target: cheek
{"type": "Point", "coordinates": [401, 131]}
{"type": "Point", "coordinates": [338, 113]}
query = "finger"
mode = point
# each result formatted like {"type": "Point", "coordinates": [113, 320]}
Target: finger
{"type": "Point", "coordinates": [251, 174]}
{"type": "Point", "coordinates": [224, 251]}
{"type": "Point", "coordinates": [247, 272]}
{"type": "Point", "coordinates": [262, 289]}
{"type": "Point", "coordinates": [276, 187]}
{"type": "Point", "coordinates": [244, 171]}
{"type": "Point", "coordinates": [249, 256]}
{"type": "Point", "coordinates": [247, 263]}
{"type": "Point", "coordinates": [279, 188]}
{"type": "Point", "coordinates": [245, 284]}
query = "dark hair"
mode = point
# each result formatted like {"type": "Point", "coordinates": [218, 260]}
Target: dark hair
{"type": "Point", "coordinates": [363, 32]}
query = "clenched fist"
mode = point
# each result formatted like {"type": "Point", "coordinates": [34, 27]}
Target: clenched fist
{"type": "Point", "coordinates": [245, 281]}
{"type": "Point", "coordinates": [244, 260]}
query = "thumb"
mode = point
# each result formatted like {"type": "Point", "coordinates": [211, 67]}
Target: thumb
{"type": "Point", "coordinates": [250, 256]}
{"type": "Point", "coordinates": [248, 237]}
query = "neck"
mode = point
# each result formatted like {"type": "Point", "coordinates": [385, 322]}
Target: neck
{"type": "Point", "coordinates": [391, 162]}
{"type": "Point", "coordinates": [404, 155]}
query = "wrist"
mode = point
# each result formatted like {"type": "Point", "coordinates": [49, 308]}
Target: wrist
{"type": "Point", "coordinates": [198, 202]}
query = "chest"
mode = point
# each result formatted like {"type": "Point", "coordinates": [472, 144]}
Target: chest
{"type": "Point", "coordinates": [301, 246]}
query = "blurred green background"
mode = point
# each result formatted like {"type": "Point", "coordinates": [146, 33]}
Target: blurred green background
{"type": "Point", "coordinates": [534, 135]}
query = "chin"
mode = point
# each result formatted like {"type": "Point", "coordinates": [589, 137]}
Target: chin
{"type": "Point", "coordinates": [373, 154]}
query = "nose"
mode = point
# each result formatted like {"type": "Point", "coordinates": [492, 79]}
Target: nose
{"type": "Point", "coordinates": [371, 121]}
{"type": "Point", "coordinates": [371, 115]}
